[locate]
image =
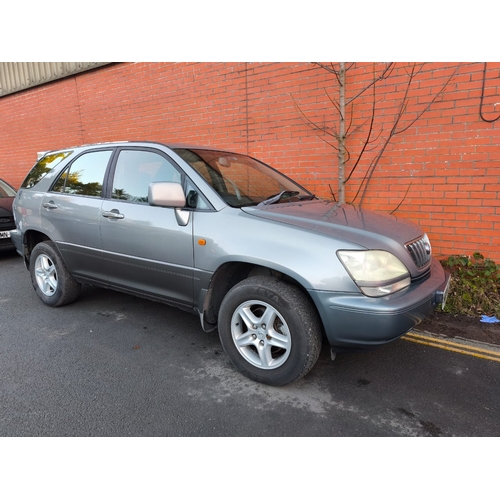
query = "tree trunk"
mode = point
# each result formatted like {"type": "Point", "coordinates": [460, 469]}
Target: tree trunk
{"type": "Point", "coordinates": [341, 137]}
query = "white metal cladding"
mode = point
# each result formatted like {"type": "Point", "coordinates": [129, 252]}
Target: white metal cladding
{"type": "Point", "coordinates": [16, 76]}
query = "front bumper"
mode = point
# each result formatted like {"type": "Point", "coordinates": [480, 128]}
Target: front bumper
{"type": "Point", "coordinates": [357, 321]}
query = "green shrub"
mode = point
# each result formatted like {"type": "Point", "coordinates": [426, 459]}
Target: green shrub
{"type": "Point", "coordinates": [474, 287]}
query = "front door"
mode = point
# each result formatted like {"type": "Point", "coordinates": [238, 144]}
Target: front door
{"type": "Point", "coordinates": [145, 248]}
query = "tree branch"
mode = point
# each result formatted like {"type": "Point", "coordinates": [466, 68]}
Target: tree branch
{"type": "Point", "coordinates": [404, 103]}
{"type": "Point", "coordinates": [404, 198]}
{"type": "Point", "coordinates": [385, 74]}
{"type": "Point", "coordinates": [316, 127]}
{"type": "Point", "coordinates": [428, 105]}
{"type": "Point", "coordinates": [367, 140]}
{"type": "Point", "coordinates": [330, 70]}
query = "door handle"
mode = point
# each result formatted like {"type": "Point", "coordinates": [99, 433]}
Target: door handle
{"type": "Point", "coordinates": [49, 204]}
{"type": "Point", "coordinates": [113, 214]}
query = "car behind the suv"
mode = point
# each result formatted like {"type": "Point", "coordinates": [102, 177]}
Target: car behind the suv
{"type": "Point", "coordinates": [7, 194]}
{"type": "Point", "coordinates": [227, 237]}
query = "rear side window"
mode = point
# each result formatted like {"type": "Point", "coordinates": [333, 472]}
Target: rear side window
{"type": "Point", "coordinates": [43, 167]}
{"type": "Point", "coordinates": [85, 176]}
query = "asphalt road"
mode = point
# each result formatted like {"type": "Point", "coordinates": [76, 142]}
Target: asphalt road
{"type": "Point", "coordinates": [114, 365]}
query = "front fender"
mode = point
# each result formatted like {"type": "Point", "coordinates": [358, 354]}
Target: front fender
{"type": "Point", "coordinates": [309, 258]}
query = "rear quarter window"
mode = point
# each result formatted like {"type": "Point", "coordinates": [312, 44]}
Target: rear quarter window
{"type": "Point", "coordinates": [43, 167]}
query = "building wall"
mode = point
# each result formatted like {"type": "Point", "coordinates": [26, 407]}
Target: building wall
{"type": "Point", "coordinates": [442, 171]}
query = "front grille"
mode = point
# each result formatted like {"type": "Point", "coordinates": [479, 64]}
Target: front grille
{"type": "Point", "coordinates": [420, 251]}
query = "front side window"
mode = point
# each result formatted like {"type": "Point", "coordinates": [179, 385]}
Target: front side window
{"type": "Point", "coordinates": [135, 170]}
{"type": "Point", "coordinates": [85, 175]}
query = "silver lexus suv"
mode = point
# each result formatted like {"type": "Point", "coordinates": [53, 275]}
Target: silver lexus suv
{"type": "Point", "coordinates": [220, 234]}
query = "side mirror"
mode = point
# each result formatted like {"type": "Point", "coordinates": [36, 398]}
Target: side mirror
{"type": "Point", "coordinates": [192, 199]}
{"type": "Point", "coordinates": [166, 194]}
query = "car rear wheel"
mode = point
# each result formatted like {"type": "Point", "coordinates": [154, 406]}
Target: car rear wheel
{"type": "Point", "coordinates": [269, 330]}
{"type": "Point", "coordinates": [50, 278]}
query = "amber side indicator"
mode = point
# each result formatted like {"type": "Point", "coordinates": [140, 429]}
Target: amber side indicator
{"type": "Point", "coordinates": [202, 242]}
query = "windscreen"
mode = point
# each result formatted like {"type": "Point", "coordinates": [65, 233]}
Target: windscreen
{"type": "Point", "coordinates": [6, 191]}
{"type": "Point", "coordinates": [241, 180]}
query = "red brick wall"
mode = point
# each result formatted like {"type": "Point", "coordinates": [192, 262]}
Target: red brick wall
{"type": "Point", "coordinates": [444, 169]}
{"type": "Point", "coordinates": [448, 161]}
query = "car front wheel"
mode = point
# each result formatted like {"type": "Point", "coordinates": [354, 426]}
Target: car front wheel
{"type": "Point", "coordinates": [50, 278]}
{"type": "Point", "coordinates": [269, 330]}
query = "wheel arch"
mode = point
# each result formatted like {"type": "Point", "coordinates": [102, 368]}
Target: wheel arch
{"type": "Point", "coordinates": [228, 275]}
{"type": "Point", "coordinates": [31, 239]}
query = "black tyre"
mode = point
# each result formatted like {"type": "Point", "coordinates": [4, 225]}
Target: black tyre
{"type": "Point", "coordinates": [269, 330]}
{"type": "Point", "coordinates": [50, 278]}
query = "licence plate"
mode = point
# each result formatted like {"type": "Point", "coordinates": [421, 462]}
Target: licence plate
{"type": "Point", "coordinates": [4, 234]}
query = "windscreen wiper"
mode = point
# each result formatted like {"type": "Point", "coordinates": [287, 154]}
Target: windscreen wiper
{"type": "Point", "coordinates": [285, 194]}
{"type": "Point", "coordinates": [275, 198]}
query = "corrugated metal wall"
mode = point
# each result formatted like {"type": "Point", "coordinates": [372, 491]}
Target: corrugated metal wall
{"type": "Point", "coordinates": [16, 76]}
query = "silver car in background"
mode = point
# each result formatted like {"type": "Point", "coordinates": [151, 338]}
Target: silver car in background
{"type": "Point", "coordinates": [227, 237]}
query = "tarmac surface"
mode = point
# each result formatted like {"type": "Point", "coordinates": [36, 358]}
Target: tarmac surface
{"type": "Point", "coordinates": [114, 365]}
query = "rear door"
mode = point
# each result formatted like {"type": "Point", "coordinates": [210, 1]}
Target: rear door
{"type": "Point", "coordinates": [70, 212]}
{"type": "Point", "coordinates": [147, 249]}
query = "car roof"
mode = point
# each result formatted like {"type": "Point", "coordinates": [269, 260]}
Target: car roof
{"type": "Point", "coordinates": [169, 145]}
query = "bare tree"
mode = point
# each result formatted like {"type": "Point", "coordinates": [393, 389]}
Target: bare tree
{"type": "Point", "coordinates": [338, 136]}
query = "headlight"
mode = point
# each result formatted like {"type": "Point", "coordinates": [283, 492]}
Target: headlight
{"type": "Point", "coordinates": [375, 272]}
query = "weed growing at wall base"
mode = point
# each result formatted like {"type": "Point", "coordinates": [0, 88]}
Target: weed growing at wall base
{"type": "Point", "coordinates": [475, 285]}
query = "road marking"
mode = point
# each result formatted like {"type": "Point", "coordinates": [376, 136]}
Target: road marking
{"type": "Point", "coordinates": [462, 348]}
